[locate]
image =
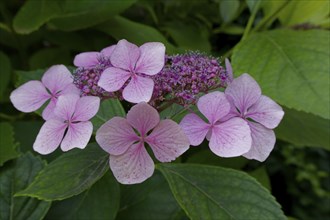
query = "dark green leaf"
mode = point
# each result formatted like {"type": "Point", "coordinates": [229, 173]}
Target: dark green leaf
{"type": "Point", "coordinates": [148, 201]}
{"type": "Point", "coordinates": [87, 13]}
{"type": "Point", "coordinates": [262, 176]}
{"type": "Point", "coordinates": [208, 192]}
{"type": "Point", "coordinates": [5, 73]}
{"type": "Point", "coordinates": [15, 178]}
{"type": "Point", "coordinates": [7, 143]}
{"type": "Point", "coordinates": [101, 201]}
{"type": "Point", "coordinates": [303, 129]}
{"type": "Point", "coordinates": [25, 76]}
{"type": "Point", "coordinates": [282, 64]}
{"type": "Point", "coordinates": [228, 10]}
{"type": "Point", "coordinates": [47, 57]}
{"type": "Point", "coordinates": [253, 4]}
{"type": "Point", "coordinates": [33, 14]}
{"type": "Point", "coordinates": [108, 109]}
{"type": "Point", "coordinates": [122, 28]}
{"type": "Point", "coordinates": [69, 175]}
{"type": "Point", "coordinates": [26, 133]}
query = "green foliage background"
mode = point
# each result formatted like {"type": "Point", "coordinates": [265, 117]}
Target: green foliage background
{"type": "Point", "coordinates": [283, 44]}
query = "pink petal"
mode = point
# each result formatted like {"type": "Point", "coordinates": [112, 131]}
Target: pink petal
{"type": "Point", "coordinates": [152, 58]}
{"type": "Point", "coordinates": [168, 141]}
{"type": "Point", "coordinates": [213, 106]}
{"type": "Point", "coordinates": [143, 117]}
{"type": "Point", "coordinates": [77, 136]}
{"type": "Point", "coordinates": [112, 79]}
{"type": "Point", "coordinates": [86, 59]}
{"type": "Point", "coordinates": [65, 106]}
{"type": "Point", "coordinates": [56, 78]}
{"type": "Point", "coordinates": [229, 70]}
{"type": "Point", "coordinates": [49, 137]}
{"type": "Point", "coordinates": [244, 91]}
{"type": "Point", "coordinates": [107, 52]}
{"type": "Point", "coordinates": [86, 108]}
{"type": "Point", "coordinates": [134, 166]}
{"type": "Point", "coordinates": [116, 136]}
{"type": "Point", "coordinates": [266, 112]}
{"type": "Point", "coordinates": [139, 89]}
{"type": "Point", "coordinates": [195, 128]}
{"type": "Point", "coordinates": [125, 55]}
{"type": "Point", "coordinates": [263, 141]}
{"type": "Point", "coordinates": [48, 112]}
{"type": "Point", "coordinates": [70, 89]}
{"type": "Point", "coordinates": [231, 138]}
{"type": "Point", "coordinates": [30, 96]}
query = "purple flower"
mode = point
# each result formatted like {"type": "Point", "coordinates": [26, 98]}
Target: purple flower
{"type": "Point", "coordinates": [129, 160]}
{"type": "Point", "coordinates": [230, 138]}
{"type": "Point", "coordinates": [30, 96]}
{"type": "Point", "coordinates": [185, 76]}
{"type": "Point", "coordinates": [132, 62]}
{"type": "Point", "coordinates": [260, 112]}
{"type": "Point", "coordinates": [72, 115]}
{"type": "Point", "coordinates": [90, 59]}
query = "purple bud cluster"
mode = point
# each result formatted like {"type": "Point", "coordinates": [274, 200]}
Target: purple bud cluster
{"type": "Point", "coordinates": [184, 76]}
{"type": "Point", "coordinates": [86, 79]}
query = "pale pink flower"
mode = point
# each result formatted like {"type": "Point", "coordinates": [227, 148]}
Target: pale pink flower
{"type": "Point", "coordinates": [72, 114]}
{"type": "Point", "coordinates": [227, 139]}
{"type": "Point", "coordinates": [89, 59]}
{"type": "Point", "coordinates": [129, 159]}
{"type": "Point", "coordinates": [132, 62]}
{"type": "Point", "coordinates": [30, 96]}
{"type": "Point", "coordinates": [259, 111]}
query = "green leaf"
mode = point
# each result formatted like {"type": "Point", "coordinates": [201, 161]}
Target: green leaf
{"type": "Point", "coordinates": [292, 67]}
{"type": "Point", "coordinates": [47, 57]}
{"type": "Point", "coordinates": [207, 192]}
{"type": "Point", "coordinates": [189, 36]}
{"type": "Point", "coordinates": [7, 143]}
{"type": "Point", "coordinates": [122, 28]}
{"type": "Point", "coordinates": [108, 109]}
{"type": "Point", "coordinates": [14, 178]}
{"type": "Point", "coordinates": [252, 4]}
{"type": "Point", "coordinates": [33, 14]}
{"type": "Point", "coordinates": [101, 201]}
{"type": "Point", "coordinates": [69, 175]}
{"type": "Point", "coordinates": [228, 10]}
{"type": "Point", "coordinates": [262, 176]}
{"type": "Point", "coordinates": [87, 13]}
{"type": "Point", "coordinates": [25, 76]}
{"type": "Point", "coordinates": [149, 200]}
{"type": "Point", "coordinates": [303, 129]}
{"type": "Point", "coordinates": [5, 73]}
{"type": "Point", "coordinates": [26, 133]}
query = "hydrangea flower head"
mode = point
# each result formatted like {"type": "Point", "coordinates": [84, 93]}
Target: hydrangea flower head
{"type": "Point", "coordinates": [72, 114]}
{"type": "Point", "coordinates": [129, 160]}
{"type": "Point", "coordinates": [135, 64]}
{"type": "Point", "coordinates": [259, 111]}
{"type": "Point", "coordinates": [184, 76]}
{"type": "Point", "coordinates": [229, 138]}
{"type": "Point", "coordinates": [30, 96]}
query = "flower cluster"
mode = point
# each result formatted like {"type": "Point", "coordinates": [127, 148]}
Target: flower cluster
{"type": "Point", "coordinates": [239, 120]}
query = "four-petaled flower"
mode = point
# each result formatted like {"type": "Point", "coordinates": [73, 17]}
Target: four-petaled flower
{"type": "Point", "coordinates": [30, 96]}
{"type": "Point", "coordinates": [134, 63]}
{"type": "Point", "coordinates": [229, 138]}
{"type": "Point", "coordinates": [129, 160]}
{"type": "Point", "coordinates": [259, 111]}
{"type": "Point", "coordinates": [71, 115]}
{"type": "Point", "coordinates": [89, 59]}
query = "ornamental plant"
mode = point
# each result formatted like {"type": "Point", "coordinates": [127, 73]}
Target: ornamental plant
{"type": "Point", "coordinates": [186, 112]}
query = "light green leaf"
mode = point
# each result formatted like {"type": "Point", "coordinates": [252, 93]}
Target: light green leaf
{"type": "Point", "coordinates": [228, 10]}
{"type": "Point", "coordinates": [101, 201]}
{"type": "Point", "coordinates": [149, 200]}
{"type": "Point", "coordinates": [87, 13]}
{"type": "Point", "coordinates": [108, 109]}
{"type": "Point", "coordinates": [33, 14]}
{"type": "Point", "coordinates": [208, 192]}
{"type": "Point", "coordinates": [69, 175]}
{"type": "Point", "coordinates": [292, 67]}
{"type": "Point", "coordinates": [14, 178]}
{"type": "Point", "coordinates": [304, 129]}
{"type": "Point", "coordinates": [47, 57]}
{"type": "Point", "coordinates": [5, 73]}
{"type": "Point", "coordinates": [7, 143]}
{"type": "Point", "coordinates": [122, 28]}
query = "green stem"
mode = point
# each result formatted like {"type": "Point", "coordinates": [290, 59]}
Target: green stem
{"type": "Point", "coordinates": [250, 22]}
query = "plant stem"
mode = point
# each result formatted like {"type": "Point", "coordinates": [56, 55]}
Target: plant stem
{"type": "Point", "coordinates": [250, 22]}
